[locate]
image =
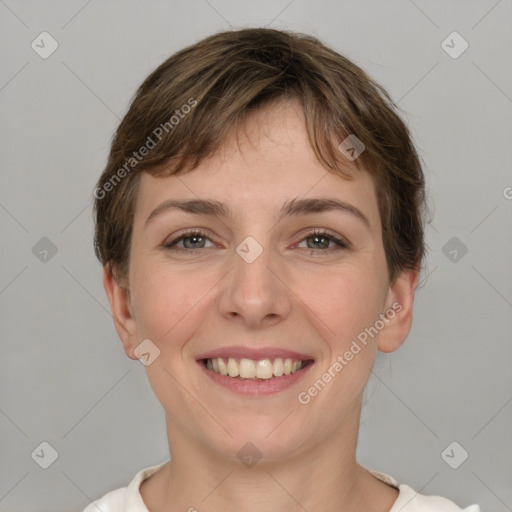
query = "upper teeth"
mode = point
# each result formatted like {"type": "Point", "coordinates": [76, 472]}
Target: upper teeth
{"type": "Point", "coordinates": [248, 368]}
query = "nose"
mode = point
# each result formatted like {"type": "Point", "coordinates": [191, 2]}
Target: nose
{"type": "Point", "coordinates": [255, 292]}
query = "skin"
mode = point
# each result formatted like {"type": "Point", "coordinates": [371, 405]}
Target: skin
{"type": "Point", "coordinates": [314, 300]}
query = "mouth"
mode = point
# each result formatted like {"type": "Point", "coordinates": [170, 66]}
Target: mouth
{"type": "Point", "coordinates": [255, 370]}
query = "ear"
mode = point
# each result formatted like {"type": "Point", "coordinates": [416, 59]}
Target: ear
{"type": "Point", "coordinates": [399, 306]}
{"type": "Point", "coordinates": [120, 304]}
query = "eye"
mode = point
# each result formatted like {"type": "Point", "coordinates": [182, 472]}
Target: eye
{"type": "Point", "coordinates": [197, 239]}
{"type": "Point", "coordinates": [321, 239]}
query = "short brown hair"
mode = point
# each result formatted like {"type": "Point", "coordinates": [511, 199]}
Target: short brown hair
{"type": "Point", "coordinates": [194, 99]}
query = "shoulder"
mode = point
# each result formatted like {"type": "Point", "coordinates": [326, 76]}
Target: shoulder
{"type": "Point", "coordinates": [125, 498]}
{"type": "Point", "coordinates": [113, 501]}
{"type": "Point", "coordinates": [410, 500]}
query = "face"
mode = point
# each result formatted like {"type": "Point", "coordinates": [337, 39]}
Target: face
{"type": "Point", "coordinates": [257, 285]}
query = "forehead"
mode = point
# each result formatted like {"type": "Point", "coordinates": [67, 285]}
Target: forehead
{"type": "Point", "coordinates": [266, 162]}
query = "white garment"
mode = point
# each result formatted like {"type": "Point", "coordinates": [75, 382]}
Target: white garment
{"type": "Point", "coordinates": [128, 499]}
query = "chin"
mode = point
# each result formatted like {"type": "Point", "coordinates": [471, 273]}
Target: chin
{"type": "Point", "coordinates": [263, 441]}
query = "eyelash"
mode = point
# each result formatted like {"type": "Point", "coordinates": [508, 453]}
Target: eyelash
{"type": "Point", "coordinates": [319, 233]}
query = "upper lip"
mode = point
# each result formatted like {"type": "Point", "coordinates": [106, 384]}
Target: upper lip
{"type": "Point", "coordinates": [254, 353]}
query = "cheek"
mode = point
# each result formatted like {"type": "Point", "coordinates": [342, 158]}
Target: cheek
{"type": "Point", "coordinates": [162, 299]}
{"type": "Point", "coordinates": [346, 301]}
{"type": "Point", "coordinates": [170, 303]}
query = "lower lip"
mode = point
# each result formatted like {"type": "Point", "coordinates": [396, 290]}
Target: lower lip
{"type": "Point", "coordinates": [256, 387]}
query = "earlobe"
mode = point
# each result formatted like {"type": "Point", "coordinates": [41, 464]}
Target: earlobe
{"type": "Point", "coordinates": [399, 309]}
{"type": "Point", "coordinates": [119, 299]}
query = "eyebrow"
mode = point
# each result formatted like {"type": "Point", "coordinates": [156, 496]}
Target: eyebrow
{"type": "Point", "coordinates": [294, 207]}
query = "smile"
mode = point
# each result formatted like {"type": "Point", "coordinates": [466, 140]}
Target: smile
{"type": "Point", "coordinates": [262, 369]}
{"type": "Point", "coordinates": [254, 371]}
{"type": "Point", "coordinates": [255, 377]}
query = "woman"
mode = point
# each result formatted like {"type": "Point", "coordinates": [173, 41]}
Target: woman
{"type": "Point", "coordinates": [260, 224]}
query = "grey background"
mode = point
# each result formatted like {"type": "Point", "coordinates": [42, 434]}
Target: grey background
{"type": "Point", "coordinates": [64, 376]}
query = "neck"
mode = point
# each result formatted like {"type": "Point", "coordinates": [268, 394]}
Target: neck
{"type": "Point", "coordinates": [325, 476]}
